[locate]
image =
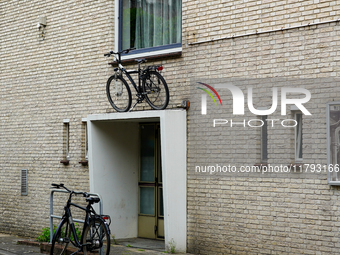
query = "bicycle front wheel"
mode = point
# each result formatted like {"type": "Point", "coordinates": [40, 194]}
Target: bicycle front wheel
{"type": "Point", "coordinates": [156, 90]}
{"type": "Point", "coordinates": [118, 93]}
{"type": "Point", "coordinates": [61, 242]}
{"type": "Point", "coordinates": [96, 236]}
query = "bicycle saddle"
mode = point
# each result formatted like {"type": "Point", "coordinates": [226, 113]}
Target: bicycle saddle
{"type": "Point", "coordinates": [92, 200]}
{"type": "Point", "coordinates": [140, 60]}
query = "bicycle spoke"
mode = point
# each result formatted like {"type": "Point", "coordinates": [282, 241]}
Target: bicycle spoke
{"type": "Point", "coordinates": [61, 243]}
{"type": "Point", "coordinates": [156, 91]}
{"type": "Point", "coordinates": [153, 89]}
{"type": "Point", "coordinates": [118, 93]}
{"type": "Point", "coordinates": [96, 238]}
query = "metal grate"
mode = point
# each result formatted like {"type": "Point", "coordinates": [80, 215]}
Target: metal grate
{"type": "Point", "coordinates": [24, 182]}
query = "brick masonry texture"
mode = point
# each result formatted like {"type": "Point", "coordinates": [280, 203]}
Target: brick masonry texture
{"type": "Point", "coordinates": [43, 82]}
{"type": "Point", "coordinates": [261, 215]}
{"type": "Point", "coordinates": [258, 215]}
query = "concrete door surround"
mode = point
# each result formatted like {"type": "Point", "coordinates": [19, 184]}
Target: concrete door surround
{"type": "Point", "coordinates": [113, 169]}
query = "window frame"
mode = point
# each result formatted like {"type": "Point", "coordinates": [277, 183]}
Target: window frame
{"type": "Point", "coordinates": [329, 174]}
{"type": "Point", "coordinates": [298, 145]}
{"type": "Point", "coordinates": [86, 142]}
{"type": "Point", "coordinates": [146, 52]}
{"type": "Point", "coordinates": [264, 129]}
{"type": "Point", "coordinates": [67, 138]}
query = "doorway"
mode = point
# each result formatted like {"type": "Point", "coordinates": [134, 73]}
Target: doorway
{"type": "Point", "coordinates": [114, 161]}
{"type": "Point", "coordinates": [150, 187]}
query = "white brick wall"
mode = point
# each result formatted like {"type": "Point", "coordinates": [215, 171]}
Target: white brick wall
{"type": "Point", "coordinates": [64, 77]}
{"type": "Point", "coordinates": [44, 82]}
{"type": "Point", "coordinates": [231, 214]}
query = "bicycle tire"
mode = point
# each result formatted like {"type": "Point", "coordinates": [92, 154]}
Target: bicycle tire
{"type": "Point", "coordinates": [61, 242]}
{"type": "Point", "coordinates": [118, 93]}
{"type": "Point", "coordinates": [156, 90]}
{"type": "Point", "coordinates": [97, 236]}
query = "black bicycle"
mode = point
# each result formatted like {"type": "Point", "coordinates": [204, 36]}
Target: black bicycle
{"type": "Point", "coordinates": [151, 85]}
{"type": "Point", "coordinates": [95, 237]}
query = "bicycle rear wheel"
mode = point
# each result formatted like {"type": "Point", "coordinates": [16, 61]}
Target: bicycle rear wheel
{"type": "Point", "coordinates": [118, 93]}
{"type": "Point", "coordinates": [156, 90]}
{"type": "Point", "coordinates": [96, 236]}
{"type": "Point", "coordinates": [61, 242]}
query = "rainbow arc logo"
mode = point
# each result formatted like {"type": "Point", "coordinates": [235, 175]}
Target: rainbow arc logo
{"type": "Point", "coordinates": [204, 96]}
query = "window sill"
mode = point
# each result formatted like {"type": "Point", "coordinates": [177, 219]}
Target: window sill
{"type": "Point", "coordinates": [84, 162]}
{"type": "Point", "coordinates": [334, 183]}
{"type": "Point", "coordinates": [157, 56]}
{"type": "Point", "coordinates": [65, 162]}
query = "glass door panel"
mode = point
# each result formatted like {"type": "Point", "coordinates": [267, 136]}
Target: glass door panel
{"type": "Point", "coordinates": [151, 212]}
{"type": "Point", "coordinates": [147, 153]}
{"type": "Point", "coordinates": [147, 200]}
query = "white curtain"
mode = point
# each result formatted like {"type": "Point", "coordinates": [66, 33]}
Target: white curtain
{"type": "Point", "coordinates": [158, 22]}
{"type": "Point", "coordinates": [126, 26]}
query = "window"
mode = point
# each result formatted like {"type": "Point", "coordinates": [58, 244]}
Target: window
{"type": "Point", "coordinates": [150, 25]}
{"type": "Point", "coordinates": [66, 142]}
{"type": "Point", "coordinates": [333, 142]}
{"type": "Point", "coordinates": [298, 137]}
{"type": "Point", "coordinates": [264, 140]}
{"type": "Point", "coordinates": [67, 139]}
{"type": "Point", "coordinates": [84, 143]}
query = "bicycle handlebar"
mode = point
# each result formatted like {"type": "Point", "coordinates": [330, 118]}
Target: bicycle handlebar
{"type": "Point", "coordinates": [119, 52]}
{"type": "Point", "coordinates": [61, 185]}
{"type": "Point", "coordinates": [58, 186]}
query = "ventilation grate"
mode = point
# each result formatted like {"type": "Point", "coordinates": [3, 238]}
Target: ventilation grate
{"type": "Point", "coordinates": [24, 182]}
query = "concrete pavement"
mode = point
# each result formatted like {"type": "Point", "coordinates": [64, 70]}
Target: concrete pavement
{"type": "Point", "coordinates": [9, 246]}
{"type": "Point", "coordinates": [13, 245]}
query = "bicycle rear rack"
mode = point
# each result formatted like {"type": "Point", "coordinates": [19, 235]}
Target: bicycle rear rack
{"type": "Point", "coordinates": [60, 217]}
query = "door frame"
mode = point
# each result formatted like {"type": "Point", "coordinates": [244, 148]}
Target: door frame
{"type": "Point", "coordinates": [156, 228]}
{"type": "Point", "coordinates": [112, 138]}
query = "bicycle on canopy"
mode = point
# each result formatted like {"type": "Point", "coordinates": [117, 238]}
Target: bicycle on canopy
{"type": "Point", "coordinates": [151, 85]}
{"type": "Point", "coordinates": [95, 236]}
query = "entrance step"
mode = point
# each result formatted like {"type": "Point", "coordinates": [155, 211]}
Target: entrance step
{"type": "Point", "coordinates": [143, 243]}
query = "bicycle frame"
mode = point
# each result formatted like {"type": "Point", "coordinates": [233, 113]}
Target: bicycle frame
{"type": "Point", "coordinates": [92, 220]}
{"type": "Point", "coordinates": [140, 73]}
{"type": "Point", "coordinates": [150, 84]}
{"type": "Point", "coordinates": [68, 216]}
{"type": "Point", "coordinates": [127, 74]}
{"type": "Point", "coordinates": [60, 217]}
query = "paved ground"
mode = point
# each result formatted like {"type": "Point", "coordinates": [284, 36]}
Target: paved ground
{"type": "Point", "coordinates": [9, 246]}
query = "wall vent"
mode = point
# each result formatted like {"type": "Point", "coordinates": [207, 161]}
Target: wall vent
{"type": "Point", "coordinates": [24, 182]}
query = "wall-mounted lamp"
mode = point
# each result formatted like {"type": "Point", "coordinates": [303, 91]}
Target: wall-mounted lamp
{"type": "Point", "coordinates": [184, 104]}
